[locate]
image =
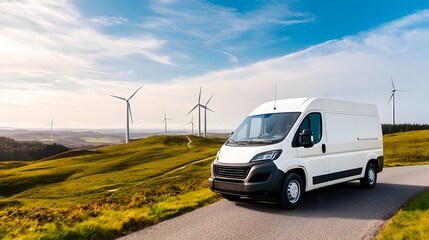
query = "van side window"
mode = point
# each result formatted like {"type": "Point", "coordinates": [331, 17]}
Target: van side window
{"type": "Point", "coordinates": [313, 122]}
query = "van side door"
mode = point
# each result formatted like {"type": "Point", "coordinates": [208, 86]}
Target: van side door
{"type": "Point", "coordinates": [312, 156]}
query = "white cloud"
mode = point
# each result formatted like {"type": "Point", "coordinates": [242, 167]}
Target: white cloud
{"type": "Point", "coordinates": [52, 36]}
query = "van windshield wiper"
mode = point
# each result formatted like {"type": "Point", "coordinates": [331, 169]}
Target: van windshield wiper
{"type": "Point", "coordinates": [260, 141]}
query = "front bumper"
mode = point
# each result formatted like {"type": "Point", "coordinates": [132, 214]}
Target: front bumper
{"type": "Point", "coordinates": [260, 180]}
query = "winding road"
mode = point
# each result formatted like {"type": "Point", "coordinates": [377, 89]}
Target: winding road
{"type": "Point", "coordinates": [343, 211]}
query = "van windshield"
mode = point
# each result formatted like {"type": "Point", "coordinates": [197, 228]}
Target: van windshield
{"type": "Point", "coordinates": [263, 129]}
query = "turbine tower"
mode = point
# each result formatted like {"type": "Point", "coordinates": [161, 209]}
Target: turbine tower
{"type": "Point", "coordinates": [205, 115]}
{"type": "Point", "coordinates": [129, 114]}
{"type": "Point", "coordinates": [52, 127]}
{"type": "Point", "coordinates": [192, 124]}
{"type": "Point", "coordinates": [392, 98]}
{"type": "Point", "coordinates": [165, 122]}
{"type": "Point", "coordinates": [199, 112]}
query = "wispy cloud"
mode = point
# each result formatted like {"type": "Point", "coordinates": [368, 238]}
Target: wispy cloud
{"type": "Point", "coordinates": [218, 26]}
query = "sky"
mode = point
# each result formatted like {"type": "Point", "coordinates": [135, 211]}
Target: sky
{"type": "Point", "coordinates": [63, 59]}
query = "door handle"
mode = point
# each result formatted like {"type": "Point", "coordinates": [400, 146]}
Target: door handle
{"type": "Point", "coordinates": [323, 148]}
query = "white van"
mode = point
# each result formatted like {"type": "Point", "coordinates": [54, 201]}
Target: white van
{"type": "Point", "coordinates": [287, 147]}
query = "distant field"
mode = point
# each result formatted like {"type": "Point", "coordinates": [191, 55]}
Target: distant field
{"type": "Point", "coordinates": [107, 192]}
{"type": "Point", "coordinates": [103, 140]}
{"type": "Point", "coordinates": [407, 148]}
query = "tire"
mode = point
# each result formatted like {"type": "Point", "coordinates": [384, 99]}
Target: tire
{"type": "Point", "coordinates": [370, 178]}
{"type": "Point", "coordinates": [292, 191]}
{"type": "Point", "coordinates": [232, 198]}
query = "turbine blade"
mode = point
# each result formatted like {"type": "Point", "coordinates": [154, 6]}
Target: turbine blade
{"type": "Point", "coordinates": [199, 96]}
{"type": "Point", "coordinates": [391, 96]}
{"type": "Point", "coordinates": [131, 114]}
{"type": "Point", "coordinates": [135, 92]}
{"type": "Point", "coordinates": [399, 90]}
{"type": "Point", "coordinates": [209, 109]}
{"type": "Point", "coordinates": [393, 85]}
{"type": "Point", "coordinates": [192, 110]}
{"type": "Point", "coordinates": [118, 97]}
{"type": "Point", "coordinates": [209, 99]}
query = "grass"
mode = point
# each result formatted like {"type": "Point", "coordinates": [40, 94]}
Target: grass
{"type": "Point", "coordinates": [107, 192]}
{"type": "Point", "coordinates": [407, 148]}
{"type": "Point", "coordinates": [410, 222]}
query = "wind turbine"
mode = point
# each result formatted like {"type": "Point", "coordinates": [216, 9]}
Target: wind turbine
{"type": "Point", "coordinates": [392, 98]}
{"type": "Point", "coordinates": [52, 127]}
{"type": "Point", "coordinates": [129, 114]}
{"type": "Point", "coordinates": [199, 112]}
{"type": "Point", "coordinates": [165, 122]}
{"type": "Point", "coordinates": [205, 115]}
{"type": "Point", "coordinates": [192, 124]}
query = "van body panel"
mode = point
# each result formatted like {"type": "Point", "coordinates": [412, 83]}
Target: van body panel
{"type": "Point", "coordinates": [345, 136]}
{"type": "Point", "coordinates": [235, 154]}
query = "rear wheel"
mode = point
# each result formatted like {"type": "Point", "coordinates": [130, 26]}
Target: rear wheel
{"type": "Point", "coordinates": [292, 191]}
{"type": "Point", "coordinates": [370, 178]}
{"type": "Point", "coordinates": [229, 197]}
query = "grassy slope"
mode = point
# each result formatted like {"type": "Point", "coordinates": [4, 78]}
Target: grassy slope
{"type": "Point", "coordinates": [407, 148]}
{"type": "Point", "coordinates": [105, 192]}
{"type": "Point", "coordinates": [412, 220]}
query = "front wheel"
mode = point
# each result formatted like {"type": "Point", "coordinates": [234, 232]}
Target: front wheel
{"type": "Point", "coordinates": [292, 191]}
{"type": "Point", "coordinates": [370, 178]}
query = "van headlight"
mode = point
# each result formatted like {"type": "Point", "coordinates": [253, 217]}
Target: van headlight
{"type": "Point", "coordinates": [267, 156]}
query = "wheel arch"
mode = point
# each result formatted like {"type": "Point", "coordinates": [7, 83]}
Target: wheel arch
{"type": "Point", "coordinates": [301, 172]}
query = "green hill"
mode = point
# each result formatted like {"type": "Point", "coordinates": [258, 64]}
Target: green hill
{"type": "Point", "coordinates": [106, 192]}
{"type": "Point", "coordinates": [406, 148]}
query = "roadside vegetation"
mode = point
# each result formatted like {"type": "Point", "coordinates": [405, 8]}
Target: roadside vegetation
{"type": "Point", "coordinates": [410, 222]}
{"type": "Point", "coordinates": [107, 192]}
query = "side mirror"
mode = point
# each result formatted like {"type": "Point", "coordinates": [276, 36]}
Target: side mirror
{"type": "Point", "coordinates": [305, 138]}
{"type": "Point", "coordinates": [231, 134]}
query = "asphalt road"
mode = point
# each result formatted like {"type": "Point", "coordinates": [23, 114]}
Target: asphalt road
{"type": "Point", "coordinates": [343, 211]}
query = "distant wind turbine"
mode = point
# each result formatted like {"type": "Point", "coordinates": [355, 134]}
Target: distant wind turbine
{"type": "Point", "coordinates": [192, 124]}
{"type": "Point", "coordinates": [165, 122]}
{"type": "Point", "coordinates": [52, 128]}
{"type": "Point", "coordinates": [199, 112]}
{"type": "Point", "coordinates": [392, 98]}
{"type": "Point", "coordinates": [205, 115]}
{"type": "Point", "coordinates": [129, 114]}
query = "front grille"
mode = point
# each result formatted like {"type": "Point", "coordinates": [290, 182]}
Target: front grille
{"type": "Point", "coordinates": [231, 172]}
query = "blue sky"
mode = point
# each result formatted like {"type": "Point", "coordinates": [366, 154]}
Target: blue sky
{"type": "Point", "coordinates": [62, 59]}
{"type": "Point", "coordinates": [204, 36]}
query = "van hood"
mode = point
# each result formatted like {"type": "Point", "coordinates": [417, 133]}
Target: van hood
{"type": "Point", "coordinates": [243, 154]}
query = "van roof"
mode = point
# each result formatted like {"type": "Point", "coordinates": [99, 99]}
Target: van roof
{"type": "Point", "coordinates": [316, 104]}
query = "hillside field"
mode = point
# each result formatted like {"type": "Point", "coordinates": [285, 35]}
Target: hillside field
{"type": "Point", "coordinates": [107, 192]}
{"type": "Point", "coordinates": [406, 148]}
